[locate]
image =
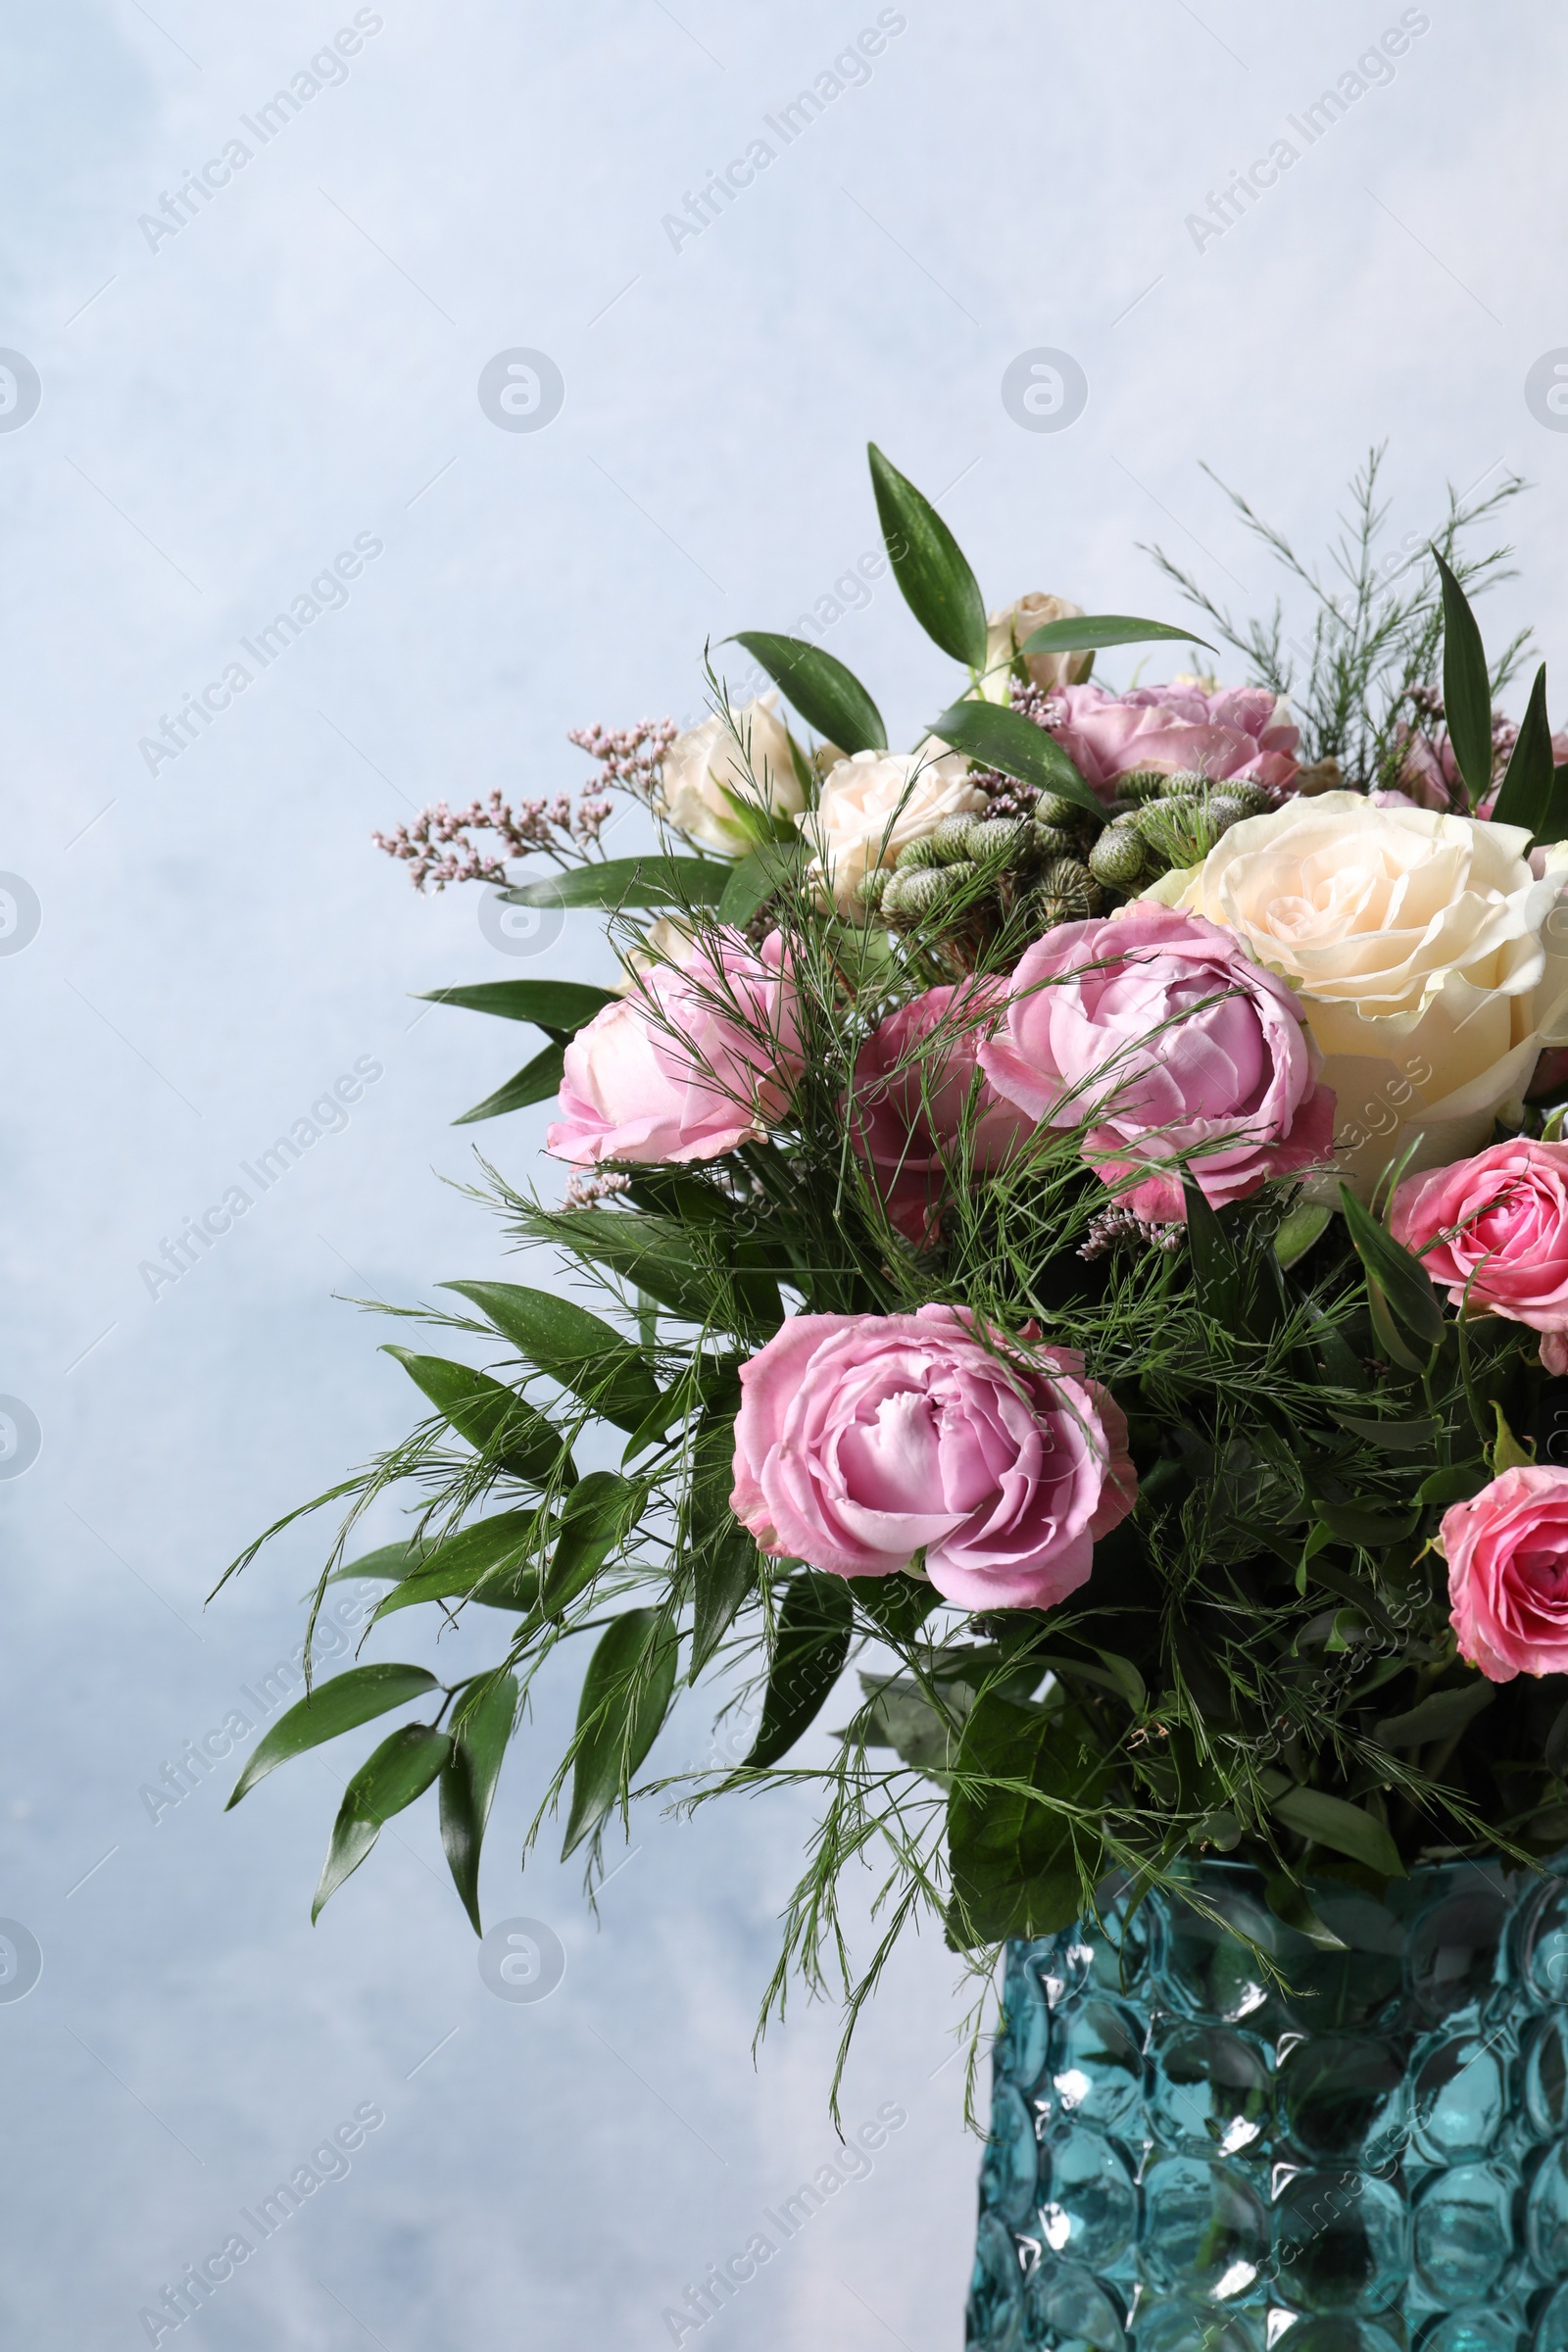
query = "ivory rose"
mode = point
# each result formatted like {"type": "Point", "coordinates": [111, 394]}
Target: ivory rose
{"type": "Point", "coordinates": [1006, 632]}
{"type": "Point", "coordinates": [1430, 962]}
{"type": "Point", "coordinates": [1241, 731]}
{"type": "Point", "coordinates": [864, 1440]}
{"type": "Point", "coordinates": [1495, 1229]}
{"type": "Point", "coordinates": [706, 765]}
{"type": "Point", "coordinates": [917, 1088]}
{"type": "Point", "coordinates": [1157, 1027]}
{"type": "Point", "coordinates": [871, 805]}
{"type": "Point", "coordinates": [699, 1057]}
{"type": "Point", "coordinates": [1507, 1555]}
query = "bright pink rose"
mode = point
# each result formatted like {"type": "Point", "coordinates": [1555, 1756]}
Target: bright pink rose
{"type": "Point", "coordinates": [1156, 1024]}
{"type": "Point", "coordinates": [1507, 1555]}
{"type": "Point", "coordinates": [1498, 1226]}
{"type": "Point", "coordinates": [1233, 733]}
{"type": "Point", "coordinates": [864, 1440]}
{"type": "Point", "coordinates": [700, 1058]}
{"type": "Point", "coordinates": [911, 1096]}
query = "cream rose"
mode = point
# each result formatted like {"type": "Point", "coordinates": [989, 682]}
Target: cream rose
{"type": "Point", "coordinates": [705, 764]}
{"type": "Point", "coordinates": [1007, 630]}
{"type": "Point", "coordinates": [1431, 959]}
{"type": "Point", "coordinates": [875, 804]}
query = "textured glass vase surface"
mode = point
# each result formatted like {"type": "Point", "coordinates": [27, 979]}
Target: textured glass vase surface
{"type": "Point", "coordinates": [1185, 2158]}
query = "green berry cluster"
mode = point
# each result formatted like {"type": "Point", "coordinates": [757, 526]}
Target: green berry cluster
{"type": "Point", "coordinates": [963, 883]}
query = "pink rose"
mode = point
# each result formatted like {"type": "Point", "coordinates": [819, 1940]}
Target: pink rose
{"type": "Point", "coordinates": [864, 1440]}
{"type": "Point", "coordinates": [1231, 733]}
{"type": "Point", "coordinates": [915, 1078]}
{"type": "Point", "coordinates": [1498, 1230]}
{"type": "Point", "coordinates": [1507, 1555]}
{"type": "Point", "coordinates": [699, 1058]}
{"type": "Point", "coordinates": [1156, 1024]}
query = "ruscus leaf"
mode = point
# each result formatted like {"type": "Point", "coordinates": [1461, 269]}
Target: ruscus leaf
{"type": "Point", "coordinates": [399, 1772]}
{"type": "Point", "coordinates": [339, 1705]}
{"type": "Point", "coordinates": [936, 581]}
{"type": "Point", "coordinates": [828, 697]}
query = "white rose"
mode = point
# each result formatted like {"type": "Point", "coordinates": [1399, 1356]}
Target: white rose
{"type": "Point", "coordinates": [1432, 961]}
{"type": "Point", "coordinates": [871, 806]}
{"type": "Point", "coordinates": [706, 764]}
{"type": "Point", "coordinates": [1007, 630]}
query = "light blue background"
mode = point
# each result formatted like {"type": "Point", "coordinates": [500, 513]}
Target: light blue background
{"type": "Point", "coordinates": [220, 417]}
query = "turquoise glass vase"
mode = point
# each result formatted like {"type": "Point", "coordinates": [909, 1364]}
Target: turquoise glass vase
{"type": "Point", "coordinates": [1187, 2155]}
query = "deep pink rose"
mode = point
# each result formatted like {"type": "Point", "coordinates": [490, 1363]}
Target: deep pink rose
{"type": "Point", "coordinates": [1157, 1026]}
{"type": "Point", "coordinates": [1507, 1555]}
{"type": "Point", "coordinates": [1232, 733]}
{"type": "Point", "coordinates": [864, 1440]}
{"type": "Point", "coordinates": [916, 1081]}
{"type": "Point", "coordinates": [1502, 1218]}
{"type": "Point", "coordinates": [700, 1058]}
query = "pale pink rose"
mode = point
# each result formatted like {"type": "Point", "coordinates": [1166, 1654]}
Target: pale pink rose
{"type": "Point", "coordinates": [1157, 1026]}
{"type": "Point", "coordinates": [1494, 1230]}
{"type": "Point", "coordinates": [1507, 1555]}
{"type": "Point", "coordinates": [917, 1087]}
{"type": "Point", "coordinates": [700, 1058]}
{"type": "Point", "coordinates": [863, 1441]}
{"type": "Point", "coordinates": [1231, 733]}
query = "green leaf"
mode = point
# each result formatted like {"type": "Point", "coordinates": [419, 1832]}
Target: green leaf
{"type": "Point", "coordinates": [625, 1696]}
{"type": "Point", "coordinates": [723, 1557]}
{"type": "Point", "coordinates": [538, 1081]}
{"type": "Point", "coordinates": [1529, 795]}
{"type": "Point", "coordinates": [898, 1604]}
{"type": "Point", "coordinates": [809, 1650]}
{"type": "Point", "coordinates": [1087, 632]}
{"type": "Point", "coordinates": [1018, 1865]}
{"type": "Point", "coordinates": [827, 695]}
{"type": "Point", "coordinates": [492, 1417]}
{"type": "Point", "coordinates": [1438, 1717]}
{"type": "Point", "coordinates": [596, 1517]}
{"type": "Point", "coordinates": [1299, 1230]}
{"type": "Point", "coordinates": [492, 1562]}
{"type": "Point", "coordinates": [756, 878]}
{"type": "Point", "coordinates": [937, 584]}
{"type": "Point", "coordinates": [350, 1698]}
{"type": "Point", "coordinates": [1216, 1274]}
{"type": "Point", "coordinates": [1289, 1902]}
{"type": "Point", "coordinates": [1506, 1451]}
{"type": "Point", "coordinates": [551, 1004]}
{"type": "Point", "coordinates": [1401, 1281]}
{"type": "Point", "coordinates": [999, 737]}
{"type": "Point", "coordinates": [389, 1563]}
{"type": "Point", "coordinates": [480, 1730]}
{"type": "Point", "coordinates": [701, 1281]}
{"type": "Point", "coordinates": [1456, 1485]}
{"type": "Point", "coordinates": [1466, 688]}
{"type": "Point", "coordinates": [725, 1578]}
{"type": "Point", "coordinates": [568, 1343]}
{"type": "Point", "coordinates": [1127, 1680]}
{"type": "Point", "coordinates": [401, 1770]}
{"type": "Point", "coordinates": [615, 882]}
{"type": "Point", "coordinates": [1395, 1437]}
{"type": "Point", "coordinates": [1344, 1828]}
{"type": "Point", "coordinates": [1372, 1529]}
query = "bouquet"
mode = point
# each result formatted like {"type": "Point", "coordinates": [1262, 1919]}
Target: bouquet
{"type": "Point", "coordinates": [1069, 1220]}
